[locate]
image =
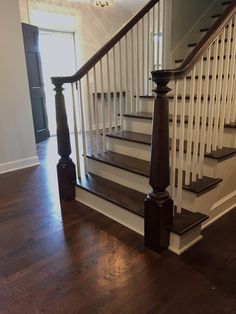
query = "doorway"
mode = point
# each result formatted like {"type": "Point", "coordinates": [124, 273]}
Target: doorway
{"type": "Point", "coordinates": [58, 55]}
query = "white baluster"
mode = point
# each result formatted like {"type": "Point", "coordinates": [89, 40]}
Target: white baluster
{"type": "Point", "coordinates": [142, 57]}
{"type": "Point", "coordinates": [104, 143]}
{"type": "Point", "coordinates": [212, 104]}
{"type": "Point", "coordinates": [181, 149]}
{"type": "Point", "coordinates": [91, 133]}
{"type": "Point", "coordinates": [225, 86]}
{"type": "Point", "coordinates": [195, 164]}
{"type": "Point", "coordinates": [81, 111]}
{"type": "Point", "coordinates": [109, 94]}
{"type": "Point", "coordinates": [158, 34]}
{"type": "Point", "coordinates": [115, 104]}
{"type": "Point", "coordinates": [96, 112]}
{"type": "Point", "coordinates": [127, 98]}
{"type": "Point", "coordinates": [76, 132]}
{"type": "Point", "coordinates": [173, 142]}
{"type": "Point", "coordinates": [203, 122]}
{"type": "Point", "coordinates": [162, 29]}
{"type": "Point", "coordinates": [219, 93]}
{"type": "Point", "coordinates": [231, 104]}
{"type": "Point", "coordinates": [137, 69]}
{"type": "Point", "coordinates": [190, 127]}
{"type": "Point", "coordinates": [121, 89]}
{"type": "Point", "coordinates": [148, 53]}
{"type": "Point", "coordinates": [153, 34]}
{"type": "Point", "coordinates": [132, 70]}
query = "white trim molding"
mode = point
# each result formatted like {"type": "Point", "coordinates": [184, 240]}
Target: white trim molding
{"type": "Point", "coordinates": [19, 164]}
{"type": "Point", "coordinates": [220, 208]}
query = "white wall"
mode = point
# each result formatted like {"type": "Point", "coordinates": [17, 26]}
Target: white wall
{"type": "Point", "coordinates": [17, 143]}
{"type": "Point", "coordinates": [197, 15]}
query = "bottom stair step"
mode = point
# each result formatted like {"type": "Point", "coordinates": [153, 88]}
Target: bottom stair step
{"type": "Point", "coordinates": [115, 193]}
{"type": "Point", "coordinates": [126, 206]}
{"type": "Point", "coordinates": [185, 221]}
{"type": "Point", "coordinates": [185, 230]}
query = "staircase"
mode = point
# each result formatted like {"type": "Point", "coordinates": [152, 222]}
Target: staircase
{"type": "Point", "coordinates": [181, 142]}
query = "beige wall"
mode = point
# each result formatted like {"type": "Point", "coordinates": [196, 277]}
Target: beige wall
{"type": "Point", "coordinates": [94, 26]}
{"type": "Point", "coordinates": [17, 144]}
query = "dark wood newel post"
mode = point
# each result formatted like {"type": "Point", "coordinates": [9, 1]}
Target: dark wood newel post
{"type": "Point", "coordinates": [65, 168]}
{"type": "Point", "coordinates": [158, 204]}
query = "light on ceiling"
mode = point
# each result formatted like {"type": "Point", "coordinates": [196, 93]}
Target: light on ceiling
{"type": "Point", "coordinates": [102, 3]}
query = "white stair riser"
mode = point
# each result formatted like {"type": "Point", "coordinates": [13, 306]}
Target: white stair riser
{"type": "Point", "coordinates": [128, 148]}
{"type": "Point", "coordinates": [138, 125]}
{"type": "Point", "coordinates": [145, 126]}
{"type": "Point", "coordinates": [123, 177]}
{"type": "Point", "coordinates": [146, 104]}
{"type": "Point", "coordinates": [229, 137]}
{"type": "Point", "coordinates": [180, 244]}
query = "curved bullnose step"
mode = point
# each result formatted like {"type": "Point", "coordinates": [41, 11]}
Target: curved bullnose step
{"type": "Point", "coordinates": [185, 230]}
{"type": "Point", "coordinates": [185, 221]}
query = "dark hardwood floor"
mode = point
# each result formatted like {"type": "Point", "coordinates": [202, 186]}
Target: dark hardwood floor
{"type": "Point", "coordinates": [75, 260]}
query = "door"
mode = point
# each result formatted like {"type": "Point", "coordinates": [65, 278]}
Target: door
{"type": "Point", "coordinates": [34, 69]}
{"type": "Point", "coordinates": [57, 51]}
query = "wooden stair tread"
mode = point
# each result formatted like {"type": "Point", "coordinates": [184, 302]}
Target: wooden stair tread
{"type": "Point", "coordinates": [219, 41]}
{"type": "Point", "coordinates": [145, 139]}
{"type": "Point", "coordinates": [141, 167]}
{"type": "Point", "coordinates": [147, 96]}
{"type": "Point", "coordinates": [124, 162]}
{"type": "Point", "coordinates": [185, 221]}
{"type": "Point", "coordinates": [139, 115]}
{"type": "Point", "coordinates": [189, 77]}
{"type": "Point", "coordinates": [187, 97]}
{"type": "Point", "coordinates": [216, 15]}
{"type": "Point", "coordinates": [206, 29]}
{"type": "Point", "coordinates": [204, 59]}
{"type": "Point", "coordinates": [230, 125]}
{"type": "Point", "coordinates": [221, 154]}
{"type": "Point", "coordinates": [115, 193]}
{"type": "Point", "coordinates": [131, 137]}
{"type": "Point", "coordinates": [201, 185]}
{"type": "Point", "coordinates": [226, 2]}
{"type": "Point", "coordinates": [133, 201]}
{"type": "Point", "coordinates": [149, 116]}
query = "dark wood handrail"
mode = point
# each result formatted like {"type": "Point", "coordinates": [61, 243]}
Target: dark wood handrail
{"type": "Point", "coordinates": [106, 48]}
{"type": "Point", "coordinates": [194, 56]}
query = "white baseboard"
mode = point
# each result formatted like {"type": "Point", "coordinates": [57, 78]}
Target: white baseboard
{"type": "Point", "coordinates": [220, 208]}
{"type": "Point", "coordinates": [19, 164]}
